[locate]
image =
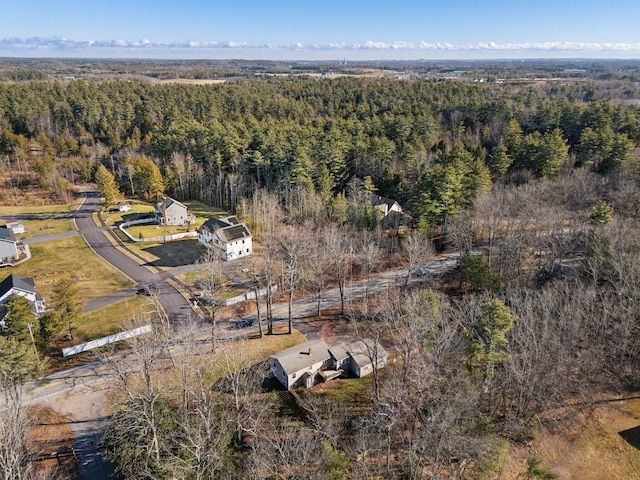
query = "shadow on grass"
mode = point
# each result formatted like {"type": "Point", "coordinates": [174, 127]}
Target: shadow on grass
{"type": "Point", "coordinates": [175, 254]}
{"type": "Point", "coordinates": [632, 436]}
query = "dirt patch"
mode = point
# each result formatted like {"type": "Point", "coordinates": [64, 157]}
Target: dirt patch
{"type": "Point", "coordinates": [52, 445]}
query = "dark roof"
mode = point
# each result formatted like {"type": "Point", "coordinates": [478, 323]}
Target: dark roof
{"type": "Point", "coordinates": [166, 202]}
{"type": "Point", "coordinates": [7, 234]}
{"type": "Point", "coordinates": [214, 224]}
{"type": "Point", "coordinates": [378, 200]}
{"type": "Point", "coordinates": [235, 232]}
{"type": "Point", "coordinates": [27, 284]}
{"type": "Point", "coordinates": [230, 227]}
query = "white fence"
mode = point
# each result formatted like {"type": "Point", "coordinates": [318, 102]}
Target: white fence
{"type": "Point", "coordinates": [116, 337]}
{"type": "Point", "coordinates": [245, 296]}
{"type": "Point", "coordinates": [159, 238]}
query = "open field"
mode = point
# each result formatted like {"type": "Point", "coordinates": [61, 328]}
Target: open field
{"type": "Point", "coordinates": [47, 226]}
{"type": "Point", "coordinates": [37, 207]}
{"type": "Point", "coordinates": [70, 256]}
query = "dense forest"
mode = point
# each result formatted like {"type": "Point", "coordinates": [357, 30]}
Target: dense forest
{"type": "Point", "coordinates": [543, 175]}
{"type": "Point", "coordinates": [433, 146]}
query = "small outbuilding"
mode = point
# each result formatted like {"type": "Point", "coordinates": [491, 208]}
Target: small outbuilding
{"type": "Point", "coordinates": [15, 226]}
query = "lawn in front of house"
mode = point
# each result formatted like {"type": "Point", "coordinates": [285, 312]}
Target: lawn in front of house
{"type": "Point", "coordinates": [47, 226]}
{"type": "Point", "coordinates": [152, 230]}
{"type": "Point", "coordinates": [201, 212]}
{"type": "Point", "coordinates": [70, 256]}
{"type": "Point", "coordinates": [138, 210]}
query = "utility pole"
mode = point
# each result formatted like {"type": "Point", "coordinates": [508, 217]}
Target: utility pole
{"type": "Point", "coordinates": [33, 342]}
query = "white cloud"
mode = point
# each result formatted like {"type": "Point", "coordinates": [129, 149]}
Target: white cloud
{"type": "Point", "coordinates": [368, 49]}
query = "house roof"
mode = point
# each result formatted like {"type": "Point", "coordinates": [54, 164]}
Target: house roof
{"type": "Point", "coordinates": [302, 356]}
{"type": "Point", "coordinates": [362, 350]}
{"type": "Point", "coordinates": [7, 234]}
{"type": "Point", "coordinates": [235, 232]}
{"type": "Point", "coordinates": [213, 224]}
{"type": "Point", "coordinates": [378, 200]}
{"type": "Point", "coordinates": [230, 228]}
{"type": "Point", "coordinates": [166, 202]}
{"type": "Point", "coordinates": [27, 284]}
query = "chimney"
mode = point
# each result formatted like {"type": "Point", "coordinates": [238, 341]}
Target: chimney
{"type": "Point", "coordinates": [309, 352]}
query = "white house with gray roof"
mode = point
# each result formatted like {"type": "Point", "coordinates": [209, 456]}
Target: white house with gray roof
{"type": "Point", "coordinates": [312, 361]}
{"type": "Point", "coordinates": [10, 247]}
{"type": "Point", "coordinates": [23, 287]}
{"type": "Point", "coordinates": [227, 236]}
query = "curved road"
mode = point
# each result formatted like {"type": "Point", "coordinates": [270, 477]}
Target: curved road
{"type": "Point", "coordinates": [80, 392]}
{"type": "Point", "coordinates": [174, 304]}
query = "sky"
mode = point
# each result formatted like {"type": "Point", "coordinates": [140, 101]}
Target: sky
{"type": "Point", "coordinates": [320, 30]}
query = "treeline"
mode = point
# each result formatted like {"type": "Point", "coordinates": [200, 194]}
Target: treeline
{"type": "Point", "coordinates": [433, 146]}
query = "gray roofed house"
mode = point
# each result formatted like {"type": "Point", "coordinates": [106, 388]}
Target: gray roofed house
{"type": "Point", "coordinates": [24, 287]}
{"type": "Point", "coordinates": [309, 362]}
{"type": "Point", "coordinates": [230, 238]}
{"type": "Point", "coordinates": [9, 246]}
{"type": "Point", "coordinates": [171, 212]}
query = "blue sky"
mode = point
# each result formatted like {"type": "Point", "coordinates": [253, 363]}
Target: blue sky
{"type": "Point", "coordinates": [328, 29]}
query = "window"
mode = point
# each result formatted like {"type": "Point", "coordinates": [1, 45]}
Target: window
{"type": "Point", "coordinates": [293, 375]}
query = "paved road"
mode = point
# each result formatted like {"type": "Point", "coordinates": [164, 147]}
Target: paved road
{"type": "Point", "coordinates": [174, 304]}
{"type": "Point", "coordinates": [80, 392]}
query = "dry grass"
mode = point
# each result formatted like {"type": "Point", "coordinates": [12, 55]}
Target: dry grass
{"type": "Point", "coordinates": [70, 256]}
{"type": "Point", "coordinates": [107, 320]}
{"type": "Point", "coordinates": [51, 442]}
{"type": "Point", "coordinates": [592, 448]}
{"type": "Point", "coordinates": [48, 226]}
{"type": "Point", "coordinates": [35, 204]}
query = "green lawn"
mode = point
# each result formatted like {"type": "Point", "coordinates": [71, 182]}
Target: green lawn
{"type": "Point", "coordinates": [138, 209]}
{"type": "Point", "coordinates": [70, 256]}
{"type": "Point", "coordinates": [153, 230]}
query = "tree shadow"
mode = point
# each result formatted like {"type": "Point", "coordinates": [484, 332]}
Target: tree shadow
{"type": "Point", "coordinates": [632, 436]}
{"type": "Point", "coordinates": [175, 254]}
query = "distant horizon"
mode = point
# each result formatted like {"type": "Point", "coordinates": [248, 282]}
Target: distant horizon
{"type": "Point", "coordinates": [284, 30]}
{"type": "Point", "coordinates": [52, 48]}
